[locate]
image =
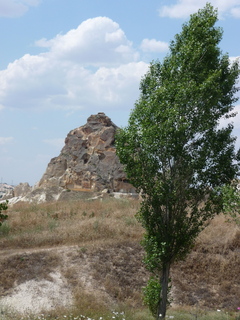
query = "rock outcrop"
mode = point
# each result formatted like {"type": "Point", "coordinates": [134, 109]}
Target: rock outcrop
{"type": "Point", "coordinates": [88, 161]}
{"type": "Point", "coordinates": [21, 190]}
{"type": "Point", "coordinates": [87, 166]}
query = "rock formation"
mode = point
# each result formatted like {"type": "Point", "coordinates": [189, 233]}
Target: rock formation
{"type": "Point", "coordinates": [88, 161]}
{"type": "Point", "coordinates": [21, 190]}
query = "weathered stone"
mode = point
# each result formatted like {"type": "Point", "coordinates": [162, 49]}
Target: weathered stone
{"type": "Point", "coordinates": [21, 190]}
{"type": "Point", "coordinates": [88, 161]}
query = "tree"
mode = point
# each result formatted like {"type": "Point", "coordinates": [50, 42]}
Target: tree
{"type": "Point", "coordinates": [3, 207]}
{"type": "Point", "coordinates": [174, 151]}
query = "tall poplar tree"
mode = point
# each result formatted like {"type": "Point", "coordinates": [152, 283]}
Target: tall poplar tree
{"type": "Point", "coordinates": [174, 150]}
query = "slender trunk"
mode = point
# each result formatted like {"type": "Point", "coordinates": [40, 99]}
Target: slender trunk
{"type": "Point", "coordinates": [162, 306]}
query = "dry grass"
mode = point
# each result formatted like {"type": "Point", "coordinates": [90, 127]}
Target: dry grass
{"type": "Point", "coordinates": [209, 277]}
{"type": "Point", "coordinates": [95, 245]}
{"type": "Point", "coordinates": [67, 223]}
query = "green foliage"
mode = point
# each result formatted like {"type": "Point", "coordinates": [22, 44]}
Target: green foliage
{"type": "Point", "coordinates": [231, 202]}
{"type": "Point", "coordinates": [3, 207]}
{"type": "Point", "coordinates": [152, 294]}
{"type": "Point", "coordinates": [173, 149]}
{"type": "Point", "coordinates": [154, 253]}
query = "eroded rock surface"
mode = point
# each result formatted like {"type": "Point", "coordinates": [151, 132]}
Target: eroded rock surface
{"type": "Point", "coordinates": [21, 190]}
{"type": "Point", "coordinates": [88, 161]}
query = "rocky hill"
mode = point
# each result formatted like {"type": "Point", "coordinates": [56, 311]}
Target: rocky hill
{"type": "Point", "coordinates": [87, 164]}
{"type": "Point", "coordinates": [88, 161]}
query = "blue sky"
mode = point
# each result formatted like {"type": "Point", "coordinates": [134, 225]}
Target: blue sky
{"type": "Point", "coordinates": [63, 60]}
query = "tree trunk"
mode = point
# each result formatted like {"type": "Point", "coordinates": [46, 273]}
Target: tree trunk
{"type": "Point", "coordinates": [162, 306]}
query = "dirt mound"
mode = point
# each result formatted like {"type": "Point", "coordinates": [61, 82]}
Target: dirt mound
{"type": "Point", "coordinates": [34, 280]}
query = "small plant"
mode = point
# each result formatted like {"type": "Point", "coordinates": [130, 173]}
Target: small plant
{"type": "Point", "coordinates": [83, 249]}
{"type": "Point", "coordinates": [92, 215]}
{"type": "Point", "coordinates": [3, 207]}
{"type": "Point", "coordinates": [5, 229]}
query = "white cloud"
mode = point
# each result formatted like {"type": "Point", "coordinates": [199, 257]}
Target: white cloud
{"type": "Point", "coordinates": [5, 140]}
{"type": "Point", "coordinates": [97, 41]}
{"type": "Point", "coordinates": [235, 12]}
{"type": "Point", "coordinates": [57, 143]}
{"type": "Point", "coordinates": [234, 59]}
{"type": "Point", "coordinates": [115, 85]}
{"type": "Point", "coordinates": [152, 45]}
{"type": "Point", "coordinates": [91, 66]}
{"type": "Point", "coordinates": [16, 8]}
{"type": "Point", "coordinates": [183, 8]}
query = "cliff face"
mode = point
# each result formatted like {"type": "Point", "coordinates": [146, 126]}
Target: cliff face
{"type": "Point", "coordinates": [88, 161]}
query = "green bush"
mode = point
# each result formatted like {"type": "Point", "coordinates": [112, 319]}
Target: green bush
{"type": "Point", "coordinates": [3, 207]}
{"type": "Point", "coordinates": [152, 294]}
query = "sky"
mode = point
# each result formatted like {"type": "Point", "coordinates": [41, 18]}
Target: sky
{"type": "Point", "coordinates": [64, 60]}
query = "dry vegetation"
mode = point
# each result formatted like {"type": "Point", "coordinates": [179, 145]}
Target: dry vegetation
{"type": "Point", "coordinates": [67, 223]}
{"type": "Point", "coordinates": [209, 277]}
{"type": "Point", "coordinates": [95, 246]}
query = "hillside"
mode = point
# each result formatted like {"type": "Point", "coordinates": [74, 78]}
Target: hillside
{"type": "Point", "coordinates": [85, 255]}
